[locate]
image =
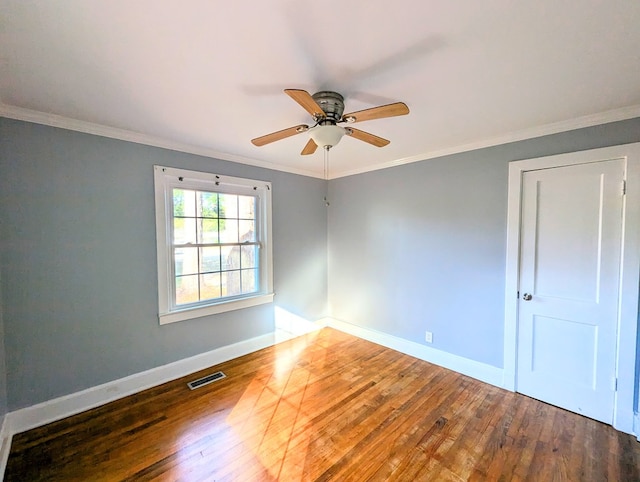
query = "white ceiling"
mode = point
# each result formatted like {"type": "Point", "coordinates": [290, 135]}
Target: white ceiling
{"type": "Point", "coordinates": [207, 76]}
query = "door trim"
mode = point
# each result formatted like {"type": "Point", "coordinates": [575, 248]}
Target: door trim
{"type": "Point", "coordinates": [630, 270]}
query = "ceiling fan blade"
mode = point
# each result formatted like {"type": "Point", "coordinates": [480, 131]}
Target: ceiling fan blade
{"type": "Point", "coordinates": [303, 98]}
{"type": "Point", "coordinates": [366, 137]}
{"type": "Point", "coordinates": [389, 110]}
{"type": "Point", "coordinates": [276, 136]}
{"type": "Point", "coordinates": [310, 148]}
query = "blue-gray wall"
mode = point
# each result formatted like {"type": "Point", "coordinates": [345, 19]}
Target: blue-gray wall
{"type": "Point", "coordinates": [78, 261]}
{"type": "Point", "coordinates": [423, 246]}
{"type": "Point", "coordinates": [3, 368]}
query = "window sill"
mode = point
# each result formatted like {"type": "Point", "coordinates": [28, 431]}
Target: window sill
{"type": "Point", "coordinates": [166, 318]}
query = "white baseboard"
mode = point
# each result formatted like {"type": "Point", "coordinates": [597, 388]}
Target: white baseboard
{"type": "Point", "coordinates": [65, 406]}
{"type": "Point", "coordinates": [480, 371]}
{"type": "Point", "coordinates": [636, 425]}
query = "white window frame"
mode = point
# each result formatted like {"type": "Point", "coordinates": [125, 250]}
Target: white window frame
{"type": "Point", "coordinates": [165, 179]}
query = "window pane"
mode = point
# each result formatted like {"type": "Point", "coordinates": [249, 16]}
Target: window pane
{"type": "Point", "coordinates": [248, 256]}
{"type": "Point", "coordinates": [225, 252]}
{"type": "Point", "coordinates": [210, 286]}
{"type": "Point", "coordinates": [207, 204]}
{"type": "Point", "coordinates": [228, 205]}
{"type": "Point", "coordinates": [178, 261]}
{"type": "Point", "coordinates": [207, 231]}
{"type": "Point", "coordinates": [229, 232]}
{"type": "Point", "coordinates": [184, 202]}
{"type": "Point", "coordinates": [233, 259]}
{"type": "Point", "coordinates": [186, 261]}
{"type": "Point", "coordinates": [249, 280]}
{"type": "Point", "coordinates": [231, 283]}
{"type": "Point", "coordinates": [184, 230]}
{"type": "Point", "coordinates": [186, 289]}
{"type": "Point", "coordinates": [178, 202]}
{"type": "Point", "coordinates": [209, 260]}
{"type": "Point", "coordinates": [247, 230]}
{"type": "Point", "coordinates": [246, 207]}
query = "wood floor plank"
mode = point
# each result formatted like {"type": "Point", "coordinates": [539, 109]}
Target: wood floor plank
{"type": "Point", "coordinates": [326, 406]}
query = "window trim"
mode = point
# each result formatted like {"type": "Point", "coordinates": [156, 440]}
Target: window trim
{"type": "Point", "coordinates": [165, 179]}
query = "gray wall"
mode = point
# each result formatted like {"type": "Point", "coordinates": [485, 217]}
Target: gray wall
{"type": "Point", "coordinates": [423, 246]}
{"type": "Point", "coordinates": [78, 261]}
{"type": "Point", "coordinates": [3, 368]}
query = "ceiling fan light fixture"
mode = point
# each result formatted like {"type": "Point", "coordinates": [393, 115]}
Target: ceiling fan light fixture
{"type": "Point", "coordinates": [326, 135]}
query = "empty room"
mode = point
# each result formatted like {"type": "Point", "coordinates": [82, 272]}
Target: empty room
{"type": "Point", "coordinates": [319, 241]}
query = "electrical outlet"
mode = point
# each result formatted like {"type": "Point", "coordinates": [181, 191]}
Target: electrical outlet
{"type": "Point", "coordinates": [428, 337]}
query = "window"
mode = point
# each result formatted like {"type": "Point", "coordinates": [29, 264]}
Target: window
{"type": "Point", "coordinates": [214, 243]}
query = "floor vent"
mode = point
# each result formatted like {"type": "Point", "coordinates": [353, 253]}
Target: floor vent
{"type": "Point", "coordinates": [200, 382]}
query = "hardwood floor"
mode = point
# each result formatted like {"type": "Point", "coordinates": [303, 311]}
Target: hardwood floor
{"type": "Point", "coordinates": [322, 407]}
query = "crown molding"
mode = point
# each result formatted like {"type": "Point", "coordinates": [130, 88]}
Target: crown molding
{"type": "Point", "coordinates": [53, 120]}
{"type": "Point", "coordinates": [606, 117]}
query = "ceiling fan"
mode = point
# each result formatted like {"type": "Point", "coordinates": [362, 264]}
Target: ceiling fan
{"type": "Point", "coordinates": [326, 108]}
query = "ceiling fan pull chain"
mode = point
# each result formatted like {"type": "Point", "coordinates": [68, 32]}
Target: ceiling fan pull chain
{"type": "Point", "coordinates": [326, 169]}
{"type": "Point", "coordinates": [326, 162]}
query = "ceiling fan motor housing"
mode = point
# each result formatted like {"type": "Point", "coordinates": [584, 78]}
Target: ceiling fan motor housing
{"type": "Point", "coordinates": [332, 105]}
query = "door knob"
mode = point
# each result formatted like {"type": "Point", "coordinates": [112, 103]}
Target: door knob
{"type": "Point", "coordinates": [527, 297]}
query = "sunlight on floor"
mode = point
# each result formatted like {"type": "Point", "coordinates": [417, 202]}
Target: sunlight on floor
{"type": "Point", "coordinates": [270, 416]}
{"type": "Point", "coordinates": [267, 427]}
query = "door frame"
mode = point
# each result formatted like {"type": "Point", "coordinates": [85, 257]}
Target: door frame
{"type": "Point", "coordinates": [623, 413]}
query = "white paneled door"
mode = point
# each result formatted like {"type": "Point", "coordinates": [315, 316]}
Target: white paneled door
{"type": "Point", "coordinates": [570, 252]}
